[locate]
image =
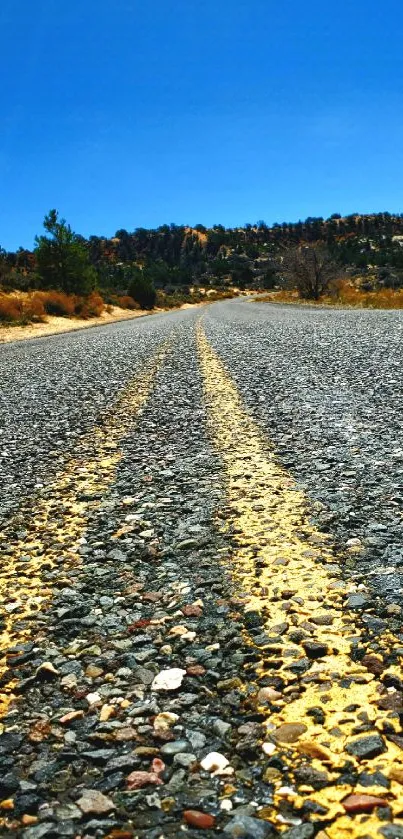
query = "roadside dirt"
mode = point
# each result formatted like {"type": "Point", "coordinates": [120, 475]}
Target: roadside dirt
{"type": "Point", "coordinates": [56, 325]}
{"type": "Point", "coordinates": [59, 324]}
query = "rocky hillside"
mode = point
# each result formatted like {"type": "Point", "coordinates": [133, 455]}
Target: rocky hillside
{"type": "Point", "coordinates": [178, 255]}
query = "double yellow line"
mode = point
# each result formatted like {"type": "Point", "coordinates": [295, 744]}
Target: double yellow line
{"type": "Point", "coordinates": [281, 562]}
{"type": "Point", "coordinates": [56, 522]}
{"type": "Point", "coordinates": [282, 567]}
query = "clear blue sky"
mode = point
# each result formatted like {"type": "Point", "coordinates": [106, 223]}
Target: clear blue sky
{"type": "Point", "coordinates": [126, 113]}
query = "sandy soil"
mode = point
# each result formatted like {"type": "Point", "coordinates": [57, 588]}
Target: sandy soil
{"type": "Point", "coordinates": [58, 324]}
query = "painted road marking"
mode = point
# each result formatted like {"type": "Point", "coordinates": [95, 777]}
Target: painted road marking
{"type": "Point", "coordinates": [286, 568]}
{"type": "Point", "coordinates": [59, 519]}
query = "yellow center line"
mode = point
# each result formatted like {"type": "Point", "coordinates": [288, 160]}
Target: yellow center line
{"type": "Point", "coordinates": [56, 522]}
{"type": "Point", "coordinates": [283, 565]}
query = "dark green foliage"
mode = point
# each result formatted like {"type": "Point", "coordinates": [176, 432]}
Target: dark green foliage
{"type": "Point", "coordinates": [141, 287]}
{"type": "Point", "coordinates": [62, 258]}
{"type": "Point", "coordinates": [270, 278]}
{"type": "Point", "coordinates": [173, 256]}
{"type": "Point", "coordinates": [242, 277]}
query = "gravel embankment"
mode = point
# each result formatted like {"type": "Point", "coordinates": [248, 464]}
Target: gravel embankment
{"type": "Point", "coordinates": [143, 688]}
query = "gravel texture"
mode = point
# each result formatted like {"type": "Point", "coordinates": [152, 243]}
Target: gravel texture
{"type": "Point", "coordinates": [327, 387]}
{"type": "Point", "coordinates": [54, 389]}
{"type": "Point", "coordinates": [141, 707]}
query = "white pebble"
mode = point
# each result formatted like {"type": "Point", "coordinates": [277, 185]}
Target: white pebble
{"type": "Point", "coordinates": [168, 679]}
{"type": "Point", "coordinates": [93, 698]}
{"type": "Point", "coordinates": [226, 804]}
{"type": "Point", "coordinates": [216, 763]}
{"type": "Point", "coordinates": [268, 748]}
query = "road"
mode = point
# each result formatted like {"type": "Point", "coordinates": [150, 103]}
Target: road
{"type": "Point", "coordinates": [201, 532]}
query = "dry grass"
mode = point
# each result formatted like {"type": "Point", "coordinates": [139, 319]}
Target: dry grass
{"type": "Point", "coordinates": [24, 309]}
{"type": "Point", "coordinates": [90, 307]}
{"type": "Point", "coordinates": [126, 302]}
{"type": "Point", "coordinates": [58, 303]}
{"type": "Point", "coordinates": [347, 294]}
{"type": "Point", "coordinates": [32, 314]}
{"type": "Point", "coordinates": [343, 294]}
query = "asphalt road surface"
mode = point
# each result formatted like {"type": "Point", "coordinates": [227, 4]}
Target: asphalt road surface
{"type": "Point", "coordinates": [201, 576]}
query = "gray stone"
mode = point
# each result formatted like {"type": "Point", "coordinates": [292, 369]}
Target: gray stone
{"type": "Point", "coordinates": [366, 747]}
{"type": "Point", "coordinates": [175, 747]}
{"type": "Point", "coordinates": [246, 827]}
{"type": "Point", "coordinates": [303, 831]}
{"type": "Point", "coordinates": [221, 728]}
{"type": "Point", "coordinates": [391, 831]}
{"type": "Point", "coordinates": [356, 601]}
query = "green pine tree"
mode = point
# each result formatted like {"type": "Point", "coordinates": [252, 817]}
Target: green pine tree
{"type": "Point", "coordinates": [62, 258]}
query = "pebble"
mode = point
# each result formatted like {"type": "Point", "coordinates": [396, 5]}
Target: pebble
{"type": "Point", "coordinates": [168, 679]}
{"type": "Point", "coordinates": [289, 732]}
{"type": "Point", "coordinates": [315, 649]}
{"type": "Point", "coordinates": [391, 831]}
{"type": "Point", "coordinates": [138, 779]}
{"type": "Point", "coordinates": [221, 728]}
{"type": "Point", "coordinates": [266, 695]}
{"type": "Point", "coordinates": [363, 803]}
{"type": "Point", "coordinates": [93, 801]}
{"type": "Point", "coordinates": [357, 601]}
{"type": "Point", "coordinates": [215, 763]}
{"type": "Point", "coordinates": [175, 748]}
{"type": "Point", "coordinates": [366, 747]}
{"type": "Point", "coordinates": [245, 827]}
{"type": "Point", "coordinates": [198, 819]}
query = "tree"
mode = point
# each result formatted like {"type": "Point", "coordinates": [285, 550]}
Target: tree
{"type": "Point", "coordinates": [5, 270]}
{"type": "Point", "coordinates": [241, 277]}
{"type": "Point", "coordinates": [311, 269]}
{"type": "Point", "coordinates": [141, 287]}
{"type": "Point", "coordinates": [62, 258]}
{"type": "Point", "coordinates": [270, 277]}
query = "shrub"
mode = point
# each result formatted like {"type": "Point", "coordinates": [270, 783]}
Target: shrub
{"type": "Point", "coordinates": [89, 307]}
{"type": "Point", "coordinates": [59, 303]}
{"type": "Point", "coordinates": [311, 269]}
{"type": "Point", "coordinates": [33, 309]}
{"type": "Point", "coordinates": [10, 309]}
{"type": "Point", "coordinates": [126, 302]}
{"type": "Point", "coordinates": [142, 290]}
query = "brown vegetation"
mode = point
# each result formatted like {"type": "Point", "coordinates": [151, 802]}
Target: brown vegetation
{"type": "Point", "coordinates": [311, 269]}
{"type": "Point", "coordinates": [90, 307]}
{"type": "Point", "coordinates": [124, 301]}
{"type": "Point", "coordinates": [33, 308]}
{"type": "Point", "coordinates": [24, 309]}
{"type": "Point", "coordinates": [344, 293]}
{"type": "Point", "coordinates": [58, 303]}
{"type": "Point", "coordinates": [347, 294]}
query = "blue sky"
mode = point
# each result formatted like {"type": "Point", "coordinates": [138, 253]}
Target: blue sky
{"type": "Point", "coordinates": [122, 113]}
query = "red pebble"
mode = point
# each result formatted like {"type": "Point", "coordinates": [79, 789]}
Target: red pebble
{"type": "Point", "coordinates": [195, 670]}
{"type": "Point", "coordinates": [363, 803]}
{"type": "Point", "coordinates": [157, 766]}
{"type": "Point", "coordinates": [198, 819]}
{"type": "Point", "coordinates": [137, 780]}
{"type": "Point", "coordinates": [141, 624]}
{"type": "Point", "coordinates": [192, 611]}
